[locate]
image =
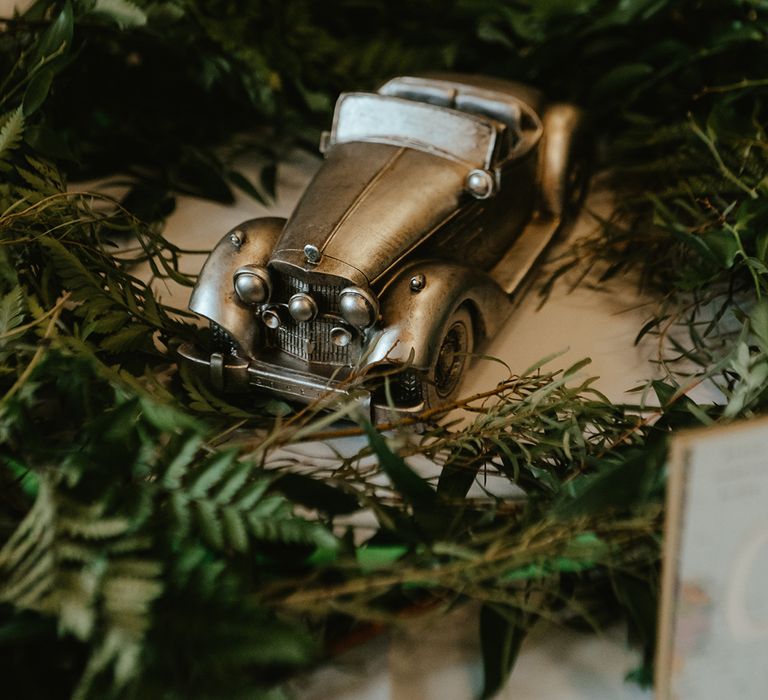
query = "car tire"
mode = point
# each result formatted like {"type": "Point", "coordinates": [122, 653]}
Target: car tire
{"type": "Point", "coordinates": [442, 382]}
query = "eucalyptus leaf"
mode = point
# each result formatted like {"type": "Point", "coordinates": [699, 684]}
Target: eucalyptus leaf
{"type": "Point", "coordinates": [37, 91]}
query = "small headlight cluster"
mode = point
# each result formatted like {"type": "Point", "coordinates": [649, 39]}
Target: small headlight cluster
{"type": "Point", "coordinates": [253, 284]}
{"type": "Point", "coordinates": [358, 307]}
{"type": "Point", "coordinates": [302, 307]}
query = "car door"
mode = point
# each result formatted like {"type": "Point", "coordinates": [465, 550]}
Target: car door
{"type": "Point", "coordinates": [481, 230]}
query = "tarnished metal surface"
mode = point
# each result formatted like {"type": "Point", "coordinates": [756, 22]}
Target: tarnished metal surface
{"type": "Point", "coordinates": [437, 196]}
{"type": "Point", "coordinates": [416, 319]}
{"type": "Point", "coordinates": [370, 204]}
{"type": "Point", "coordinates": [561, 123]}
{"type": "Point", "coordinates": [214, 295]}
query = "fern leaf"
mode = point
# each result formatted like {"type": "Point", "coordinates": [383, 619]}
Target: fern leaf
{"type": "Point", "coordinates": [252, 494]}
{"type": "Point", "coordinates": [99, 529]}
{"type": "Point", "coordinates": [108, 323]}
{"type": "Point", "coordinates": [234, 528]}
{"type": "Point", "coordinates": [294, 530]}
{"type": "Point", "coordinates": [211, 473]}
{"type": "Point", "coordinates": [11, 132]}
{"type": "Point", "coordinates": [34, 180]}
{"type": "Point", "coordinates": [233, 484]}
{"type": "Point", "coordinates": [209, 523]}
{"type": "Point", "coordinates": [268, 507]}
{"type": "Point", "coordinates": [31, 583]}
{"type": "Point", "coordinates": [46, 171]}
{"type": "Point", "coordinates": [181, 514]}
{"type": "Point", "coordinates": [27, 195]}
{"type": "Point", "coordinates": [72, 272]}
{"type": "Point", "coordinates": [178, 466]}
{"type": "Point", "coordinates": [206, 402]}
{"type": "Point", "coordinates": [130, 594]}
{"type": "Point", "coordinates": [130, 337]}
{"type": "Point", "coordinates": [32, 536]}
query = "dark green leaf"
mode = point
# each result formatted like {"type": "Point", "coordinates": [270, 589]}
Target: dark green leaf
{"type": "Point", "coordinates": [412, 487]}
{"type": "Point", "coordinates": [502, 631]}
{"type": "Point", "coordinates": [37, 91]}
{"type": "Point", "coordinates": [57, 37]}
{"type": "Point", "coordinates": [313, 493]}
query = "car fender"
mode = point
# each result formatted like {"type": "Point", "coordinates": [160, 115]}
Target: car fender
{"type": "Point", "coordinates": [563, 124]}
{"type": "Point", "coordinates": [214, 295]}
{"type": "Point", "coordinates": [414, 319]}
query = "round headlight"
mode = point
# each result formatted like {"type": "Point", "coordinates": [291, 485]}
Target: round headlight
{"type": "Point", "coordinates": [253, 284]}
{"type": "Point", "coordinates": [302, 307]}
{"type": "Point", "coordinates": [340, 337]}
{"type": "Point", "coordinates": [358, 307]}
{"type": "Point", "coordinates": [271, 317]}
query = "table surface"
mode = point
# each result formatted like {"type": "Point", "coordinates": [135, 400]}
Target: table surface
{"type": "Point", "coordinates": [438, 657]}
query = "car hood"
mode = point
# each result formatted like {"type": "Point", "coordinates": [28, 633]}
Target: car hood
{"type": "Point", "coordinates": [368, 206]}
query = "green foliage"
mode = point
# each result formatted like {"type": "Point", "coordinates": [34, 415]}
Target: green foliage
{"type": "Point", "coordinates": [501, 635]}
{"type": "Point", "coordinates": [11, 131]}
{"type": "Point", "coordinates": [133, 519]}
{"type": "Point", "coordinates": [140, 557]}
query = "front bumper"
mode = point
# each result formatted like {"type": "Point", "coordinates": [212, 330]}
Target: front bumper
{"type": "Point", "coordinates": [235, 374]}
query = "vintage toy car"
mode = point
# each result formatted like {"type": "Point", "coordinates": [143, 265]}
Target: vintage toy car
{"type": "Point", "coordinates": [436, 196]}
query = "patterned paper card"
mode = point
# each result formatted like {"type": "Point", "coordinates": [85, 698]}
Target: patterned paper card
{"type": "Point", "coordinates": [713, 633]}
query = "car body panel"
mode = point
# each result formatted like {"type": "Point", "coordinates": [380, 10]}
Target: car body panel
{"type": "Point", "coordinates": [418, 317]}
{"type": "Point", "coordinates": [355, 211]}
{"type": "Point", "coordinates": [249, 243]}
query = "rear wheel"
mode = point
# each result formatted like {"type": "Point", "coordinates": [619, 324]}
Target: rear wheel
{"type": "Point", "coordinates": [443, 381]}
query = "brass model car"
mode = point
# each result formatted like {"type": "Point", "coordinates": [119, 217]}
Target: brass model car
{"type": "Point", "coordinates": [436, 197]}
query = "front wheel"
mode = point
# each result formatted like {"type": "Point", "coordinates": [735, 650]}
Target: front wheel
{"type": "Point", "coordinates": [443, 381]}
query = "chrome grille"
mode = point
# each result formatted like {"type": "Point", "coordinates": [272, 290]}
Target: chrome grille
{"type": "Point", "coordinates": [311, 341]}
{"type": "Point", "coordinates": [326, 296]}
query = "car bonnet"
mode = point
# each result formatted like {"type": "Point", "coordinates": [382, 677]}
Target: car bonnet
{"type": "Point", "coordinates": [368, 206]}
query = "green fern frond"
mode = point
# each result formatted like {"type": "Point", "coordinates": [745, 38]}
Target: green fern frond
{"type": "Point", "coordinates": [212, 473]}
{"type": "Point", "coordinates": [205, 401]}
{"type": "Point", "coordinates": [39, 184]}
{"type": "Point", "coordinates": [11, 311]}
{"type": "Point", "coordinates": [229, 504]}
{"type": "Point", "coordinates": [293, 530]}
{"type": "Point", "coordinates": [11, 132]}
{"type": "Point", "coordinates": [60, 562]}
{"type": "Point", "coordinates": [47, 172]}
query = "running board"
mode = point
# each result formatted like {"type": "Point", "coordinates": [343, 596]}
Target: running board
{"type": "Point", "coordinates": [513, 269]}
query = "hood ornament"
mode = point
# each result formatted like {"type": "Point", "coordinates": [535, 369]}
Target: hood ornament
{"type": "Point", "coordinates": [312, 254]}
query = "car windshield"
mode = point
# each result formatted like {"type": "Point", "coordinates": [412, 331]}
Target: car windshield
{"type": "Point", "coordinates": [383, 119]}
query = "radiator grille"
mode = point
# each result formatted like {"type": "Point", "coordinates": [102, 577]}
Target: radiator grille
{"type": "Point", "coordinates": [326, 296]}
{"type": "Point", "coordinates": [311, 341]}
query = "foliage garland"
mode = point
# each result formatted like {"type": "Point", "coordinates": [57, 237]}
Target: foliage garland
{"type": "Point", "coordinates": [144, 552]}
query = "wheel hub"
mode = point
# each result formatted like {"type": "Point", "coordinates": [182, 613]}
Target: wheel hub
{"type": "Point", "coordinates": [450, 359]}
